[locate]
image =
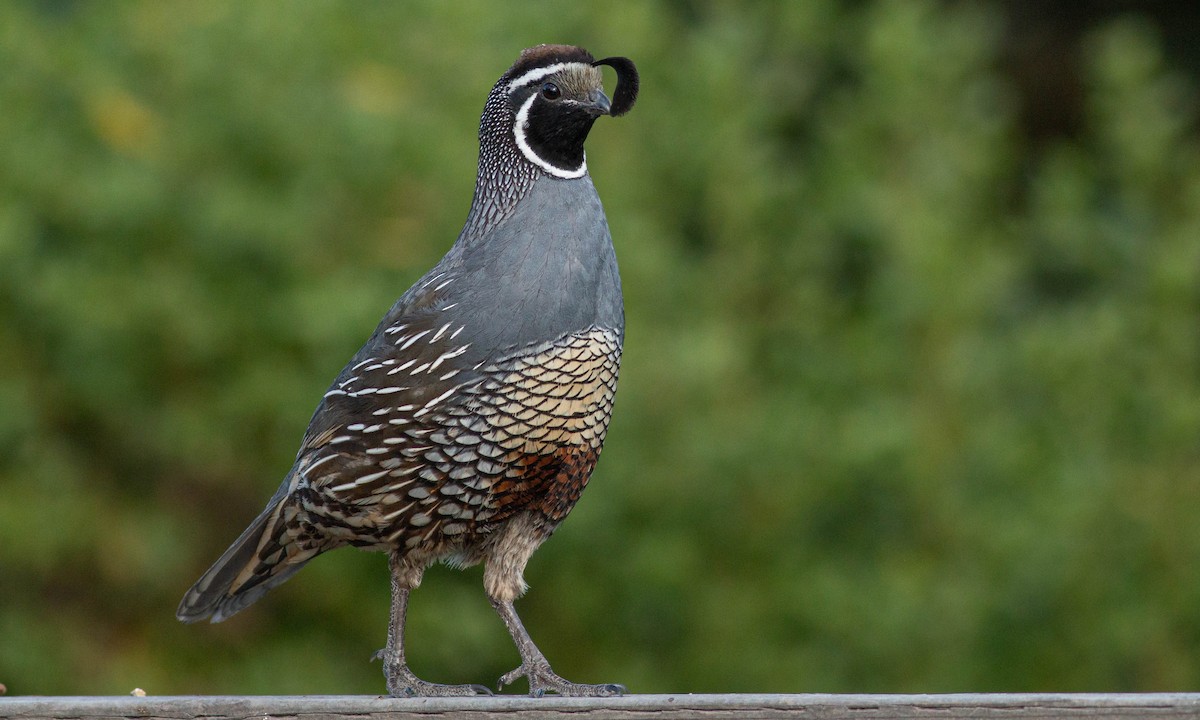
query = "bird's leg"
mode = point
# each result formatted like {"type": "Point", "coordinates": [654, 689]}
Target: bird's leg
{"type": "Point", "coordinates": [536, 668]}
{"type": "Point", "coordinates": [400, 680]}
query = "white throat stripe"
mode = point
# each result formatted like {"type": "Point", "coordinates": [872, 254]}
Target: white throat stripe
{"type": "Point", "coordinates": [531, 156]}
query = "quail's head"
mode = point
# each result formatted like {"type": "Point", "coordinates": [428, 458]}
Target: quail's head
{"type": "Point", "coordinates": [553, 94]}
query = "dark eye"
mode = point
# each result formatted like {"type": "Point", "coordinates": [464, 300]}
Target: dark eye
{"type": "Point", "coordinates": [550, 91]}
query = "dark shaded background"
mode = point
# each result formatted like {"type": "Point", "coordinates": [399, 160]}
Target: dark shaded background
{"type": "Point", "coordinates": [911, 394]}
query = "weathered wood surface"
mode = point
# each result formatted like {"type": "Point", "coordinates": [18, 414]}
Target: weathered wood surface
{"type": "Point", "coordinates": [631, 707]}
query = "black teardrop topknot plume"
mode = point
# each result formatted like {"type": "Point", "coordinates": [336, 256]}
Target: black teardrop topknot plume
{"type": "Point", "coordinates": [627, 84]}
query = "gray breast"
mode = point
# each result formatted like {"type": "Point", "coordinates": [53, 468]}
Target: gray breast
{"type": "Point", "coordinates": [546, 270]}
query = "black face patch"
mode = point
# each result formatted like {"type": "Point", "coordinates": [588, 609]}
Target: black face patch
{"type": "Point", "coordinates": [556, 130]}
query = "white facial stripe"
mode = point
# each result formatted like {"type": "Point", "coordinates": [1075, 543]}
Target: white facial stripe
{"type": "Point", "coordinates": [539, 73]}
{"type": "Point", "coordinates": [531, 156]}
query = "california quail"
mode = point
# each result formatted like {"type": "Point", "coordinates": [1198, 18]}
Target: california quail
{"type": "Point", "coordinates": [467, 426]}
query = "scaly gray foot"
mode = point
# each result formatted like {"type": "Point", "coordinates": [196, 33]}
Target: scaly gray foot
{"type": "Point", "coordinates": [402, 683]}
{"type": "Point", "coordinates": [543, 680]}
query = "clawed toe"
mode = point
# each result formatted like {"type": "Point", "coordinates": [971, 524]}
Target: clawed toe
{"type": "Point", "coordinates": [480, 689]}
{"type": "Point", "coordinates": [402, 683]}
{"type": "Point", "coordinates": [543, 680]}
{"type": "Point", "coordinates": [416, 687]}
{"type": "Point", "coordinates": [611, 690]}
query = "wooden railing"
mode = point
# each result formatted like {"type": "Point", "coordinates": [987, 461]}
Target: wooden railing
{"type": "Point", "coordinates": [630, 707]}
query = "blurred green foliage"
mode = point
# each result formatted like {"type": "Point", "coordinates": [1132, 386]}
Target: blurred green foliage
{"type": "Point", "coordinates": [910, 399]}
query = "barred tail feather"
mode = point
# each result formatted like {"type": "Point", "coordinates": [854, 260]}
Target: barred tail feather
{"type": "Point", "coordinates": [253, 564]}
